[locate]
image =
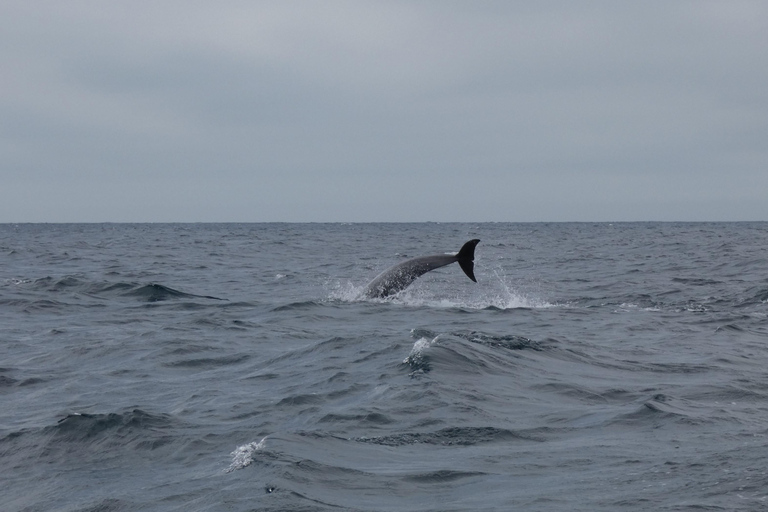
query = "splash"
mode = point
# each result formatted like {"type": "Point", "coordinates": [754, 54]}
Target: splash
{"type": "Point", "coordinates": [17, 281]}
{"type": "Point", "coordinates": [346, 292]}
{"type": "Point", "coordinates": [506, 296]}
{"type": "Point", "coordinates": [494, 291]}
{"type": "Point", "coordinates": [495, 294]}
{"type": "Point", "coordinates": [416, 357]}
{"type": "Point", "coordinates": [486, 300]}
{"type": "Point", "coordinates": [243, 455]}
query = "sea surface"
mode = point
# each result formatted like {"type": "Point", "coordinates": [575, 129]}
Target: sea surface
{"type": "Point", "coordinates": [237, 367]}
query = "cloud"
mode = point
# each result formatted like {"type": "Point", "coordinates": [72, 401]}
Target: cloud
{"type": "Point", "coordinates": [362, 111]}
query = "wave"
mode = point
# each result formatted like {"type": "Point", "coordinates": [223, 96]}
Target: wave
{"type": "Point", "coordinates": [509, 341]}
{"type": "Point", "coordinates": [205, 363]}
{"type": "Point", "coordinates": [759, 296]}
{"type": "Point", "coordinates": [442, 476]}
{"type": "Point", "coordinates": [7, 381]}
{"type": "Point", "coordinates": [94, 435]}
{"type": "Point", "coordinates": [129, 427]}
{"type": "Point", "coordinates": [152, 292]}
{"type": "Point", "coordinates": [696, 281]}
{"type": "Point", "coordinates": [459, 356]}
{"type": "Point", "coordinates": [661, 410]}
{"type": "Point", "coordinates": [452, 436]}
{"type": "Point", "coordinates": [158, 292]}
{"type": "Point", "coordinates": [297, 306]}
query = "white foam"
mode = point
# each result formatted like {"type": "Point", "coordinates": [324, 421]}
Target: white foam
{"type": "Point", "coordinates": [17, 282]}
{"type": "Point", "coordinates": [243, 455]}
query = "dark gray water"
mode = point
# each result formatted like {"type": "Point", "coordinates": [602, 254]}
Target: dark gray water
{"type": "Point", "coordinates": [235, 367]}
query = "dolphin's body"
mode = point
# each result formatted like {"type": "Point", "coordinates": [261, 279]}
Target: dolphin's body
{"type": "Point", "coordinates": [403, 274]}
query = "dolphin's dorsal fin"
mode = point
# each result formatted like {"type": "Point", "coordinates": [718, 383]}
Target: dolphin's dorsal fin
{"type": "Point", "coordinates": [466, 258]}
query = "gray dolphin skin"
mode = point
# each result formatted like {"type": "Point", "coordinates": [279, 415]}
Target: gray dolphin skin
{"type": "Point", "coordinates": [401, 275]}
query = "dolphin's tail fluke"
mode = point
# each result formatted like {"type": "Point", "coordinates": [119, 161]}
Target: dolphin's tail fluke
{"type": "Point", "coordinates": [466, 258]}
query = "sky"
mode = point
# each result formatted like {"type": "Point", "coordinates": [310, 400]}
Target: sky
{"type": "Point", "coordinates": [383, 111]}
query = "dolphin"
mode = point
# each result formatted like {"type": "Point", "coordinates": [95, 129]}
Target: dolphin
{"type": "Point", "coordinates": [403, 274]}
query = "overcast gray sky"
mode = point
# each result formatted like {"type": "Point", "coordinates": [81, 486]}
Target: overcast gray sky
{"type": "Point", "coordinates": [383, 111]}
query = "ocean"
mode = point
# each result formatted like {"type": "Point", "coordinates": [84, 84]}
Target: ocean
{"type": "Point", "coordinates": [238, 367]}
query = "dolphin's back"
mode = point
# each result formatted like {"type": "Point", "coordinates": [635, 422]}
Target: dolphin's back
{"type": "Point", "coordinates": [403, 274]}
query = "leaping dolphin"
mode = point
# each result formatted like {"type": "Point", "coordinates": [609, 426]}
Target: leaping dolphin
{"type": "Point", "coordinates": [403, 274]}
